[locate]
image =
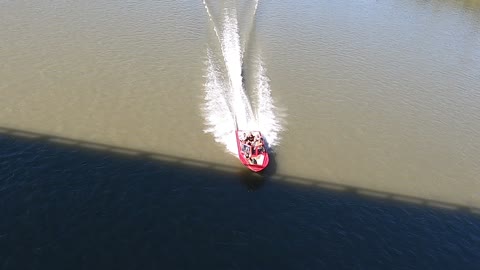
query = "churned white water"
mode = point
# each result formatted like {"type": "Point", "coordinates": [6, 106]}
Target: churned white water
{"type": "Point", "coordinates": [227, 106]}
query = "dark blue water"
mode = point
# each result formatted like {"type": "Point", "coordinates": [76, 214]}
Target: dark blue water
{"type": "Point", "coordinates": [67, 207]}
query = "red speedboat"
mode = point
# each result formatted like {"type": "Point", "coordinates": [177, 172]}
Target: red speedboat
{"type": "Point", "coordinates": [252, 150]}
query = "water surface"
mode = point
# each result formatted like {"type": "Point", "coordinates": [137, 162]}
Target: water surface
{"type": "Point", "coordinates": [365, 97]}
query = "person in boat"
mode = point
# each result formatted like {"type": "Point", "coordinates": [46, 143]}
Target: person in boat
{"type": "Point", "coordinates": [259, 145]}
{"type": "Point", "coordinates": [242, 139]}
{"type": "Point", "coordinates": [257, 139]}
{"type": "Point", "coordinates": [249, 158]}
{"type": "Point", "coordinates": [249, 139]}
{"type": "Point", "coordinates": [247, 155]}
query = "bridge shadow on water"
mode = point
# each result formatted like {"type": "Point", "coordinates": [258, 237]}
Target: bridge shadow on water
{"type": "Point", "coordinates": [71, 204]}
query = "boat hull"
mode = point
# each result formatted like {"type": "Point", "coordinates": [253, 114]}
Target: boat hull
{"type": "Point", "coordinates": [253, 156]}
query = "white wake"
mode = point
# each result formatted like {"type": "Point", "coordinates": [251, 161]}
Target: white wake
{"type": "Point", "coordinates": [226, 101]}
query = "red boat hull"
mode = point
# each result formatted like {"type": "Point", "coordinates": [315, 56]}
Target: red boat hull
{"type": "Point", "coordinates": [254, 157]}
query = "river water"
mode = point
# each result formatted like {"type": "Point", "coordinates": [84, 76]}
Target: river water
{"type": "Point", "coordinates": [117, 149]}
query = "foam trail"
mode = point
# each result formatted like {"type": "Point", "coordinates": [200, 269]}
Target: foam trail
{"type": "Point", "coordinates": [217, 112]}
{"type": "Point", "coordinates": [213, 22]}
{"type": "Point", "coordinates": [250, 26]}
{"type": "Point", "coordinates": [225, 96]}
{"type": "Point", "coordinates": [256, 7]}
{"type": "Point", "coordinates": [232, 55]}
{"type": "Point", "coordinates": [268, 116]}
